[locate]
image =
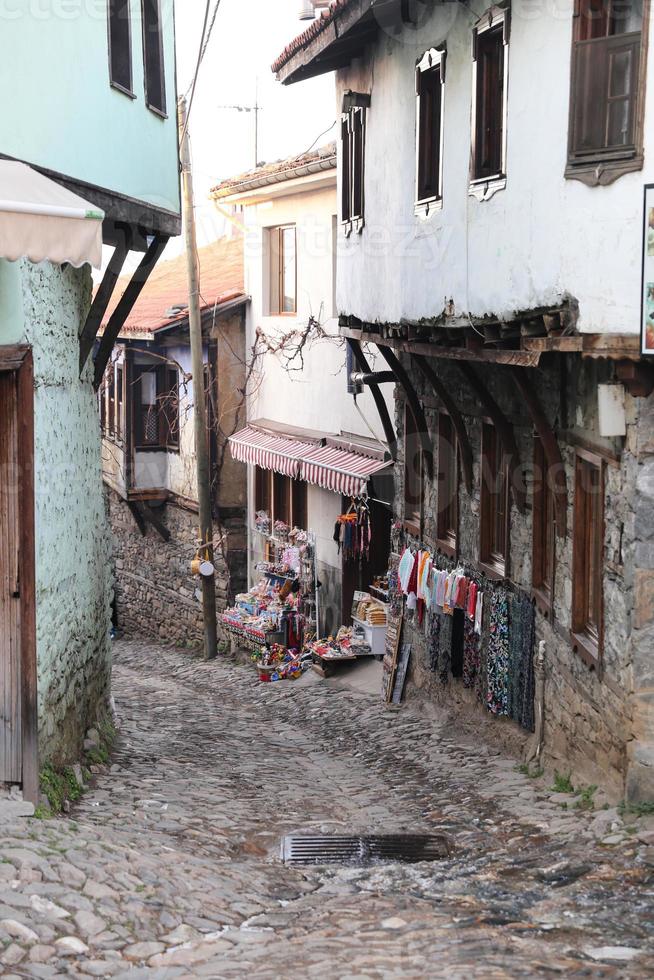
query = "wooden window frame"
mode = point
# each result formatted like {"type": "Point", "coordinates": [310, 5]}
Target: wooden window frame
{"type": "Point", "coordinates": [484, 186]}
{"type": "Point", "coordinates": [297, 498]}
{"type": "Point", "coordinates": [586, 641]}
{"type": "Point", "coordinates": [353, 157]}
{"type": "Point", "coordinates": [603, 165]}
{"type": "Point", "coordinates": [159, 110]}
{"type": "Point", "coordinates": [430, 68]}
{"type": "Point", "coordinates": [167, 438]}
{"type": "Point", "coordinates": [494, 563]}
{"type": "Point", "coordinates": [413, 520]}
{"type": "Point", "coordinates": [112, 13]}
{"type": "Point", "coordinates": [447, 531]}
{"type": "Point", "coordinates": [543, 534]}
{"type": "Point", "coordinates": [276, 269]}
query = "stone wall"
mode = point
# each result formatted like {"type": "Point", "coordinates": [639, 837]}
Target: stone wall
{"type": "Point", "coordinates": [73, 572]}
{"type": "Point", "coordinates": [156, 594]}
{"type": "Point", "coordinates": [588, 718]}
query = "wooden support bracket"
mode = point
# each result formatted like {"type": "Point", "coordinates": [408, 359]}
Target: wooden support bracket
{"type": "Point", "coordinates": [637, 377]}
{"type": "Point", "coordinates": [414, 404]}
{"type": "Point", "coordinates": [441, 392]}
{"type": "Point", "coordinates": [138, 517]}
{"type": "Point", "coordinates": [555, 467]}
{"type": "Point", "coordinates": [105, 291]}
{"type": "Point", "coordinates": [504, 431]}
{"type": "Point", "coordinates": [152, 518]}
{"type": "Point", "coordinates": [380, 403]}
{"type": "Point", "coordinates": [125, 306]}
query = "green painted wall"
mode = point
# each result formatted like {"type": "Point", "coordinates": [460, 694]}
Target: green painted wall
{"type": "Point", "coordinates": [60, 112]}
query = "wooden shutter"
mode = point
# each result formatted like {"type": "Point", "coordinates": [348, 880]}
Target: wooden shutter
{"type": "Point", "coordinates": [489, 119]}
{"type": "Point", "coordinates": [155, 86]}
{"type": "Point", "coordinates": [120, 44]}
{"type": "Point", "coordinates": [357, 162]}
{"type": "Point", "coordinates": [430, 88]}
{"type": "Point", "coordinates": [10, 639]}
{"type": "Point", "coordinates": [346, 171]}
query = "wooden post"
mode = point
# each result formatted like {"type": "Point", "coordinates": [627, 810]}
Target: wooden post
{"type": "Point", "coordinates": [199, 403]}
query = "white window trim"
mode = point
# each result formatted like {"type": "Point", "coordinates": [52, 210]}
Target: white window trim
{"type": "Point", "coordinates": [484, 188]}
{"type": "Point", "coordinates": [433, 58]}
{"type": "Point", "coordinates": [355, 223]}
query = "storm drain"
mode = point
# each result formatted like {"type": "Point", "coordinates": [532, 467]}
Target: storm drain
{"type": "Point", "coordinates": [405, 848]}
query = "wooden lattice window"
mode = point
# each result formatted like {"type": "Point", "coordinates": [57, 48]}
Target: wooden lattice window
{"type": "Point", "coordinates": [495, 507]}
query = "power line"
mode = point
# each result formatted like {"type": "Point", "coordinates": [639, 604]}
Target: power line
{"type": "Point", "coordinates": [324, 133]}
{"type": "Point", "coordinates": [204, 44]}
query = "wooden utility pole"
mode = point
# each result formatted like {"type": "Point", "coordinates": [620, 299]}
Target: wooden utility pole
{"type": "Point", "coordinates": [199, 402]}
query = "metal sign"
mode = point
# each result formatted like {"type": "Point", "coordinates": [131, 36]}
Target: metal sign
{"type": "Point", "coordinates": [647, 320]}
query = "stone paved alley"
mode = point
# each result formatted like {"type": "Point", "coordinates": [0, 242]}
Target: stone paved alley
{"type": "Point", "coordinates": [169, 866]}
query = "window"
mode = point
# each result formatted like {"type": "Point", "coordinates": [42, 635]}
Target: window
{"type": "Point", "coordinates": [495, 510]}
{"type": "Point", "coordinates": [353, 152]}
{"type": "Point", "coordinates": [412, 473]}
{"type": "Point", "coordinates": [111, 401]}
{"type": "Point", "coordinates": [155, 85]}
{"type": "Point", "coordinates": [607, 83]}
{"type": "Point", "coordinates": [448, 486]}
{"type": "Point", "coordinates": [430, 78]}
{"type": "Point", "coordinates": [588, 557]}
{"type": "Point", "coordinates": [543, 543]}
{"type": "Point", "coordinates": [490, 56]}
{"type": "Point", "coordinates": [155, 407]}
{"type": "Point", "coordinates": [283, 270]}
{"type": "Point", "coordinates": [281, 497]}
{"type": "Point", "coordinates": [120, 45]}
{"type": "Point", "coordinates": [120, 404]}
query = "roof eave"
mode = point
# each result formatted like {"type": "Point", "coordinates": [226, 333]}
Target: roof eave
{"type": "Point", "coordinates": [341, 40]}
{"type": "Point", "coordinates": [319, 173]}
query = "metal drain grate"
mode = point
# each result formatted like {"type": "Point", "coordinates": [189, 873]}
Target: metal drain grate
{"type": "Point", "coordinates": [405, 848]}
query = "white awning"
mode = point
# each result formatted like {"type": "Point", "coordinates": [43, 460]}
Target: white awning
{"type": "Point", "coordinates": [40, 219]}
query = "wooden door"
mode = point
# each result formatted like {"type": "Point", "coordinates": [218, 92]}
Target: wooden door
{"type": "Point", "coordinates": [18, 675]}
{"type": "Point", "coordinates": [11, 763]}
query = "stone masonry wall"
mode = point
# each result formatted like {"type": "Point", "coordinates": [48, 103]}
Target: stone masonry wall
{"type": "Point", "coordinates": [73, 572]}
{"type": "Point", "coordinates": [588, 723]}
{"type": "Point", "coordinates": [156, 594]}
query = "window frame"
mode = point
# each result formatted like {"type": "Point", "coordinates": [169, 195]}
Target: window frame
{"type": "Point", "coordinates": [603, 165]}
{"type": "Point", "coordinates": [432, 63]}
{"type": "Point", "coordinates": [495, 563]}
{"type": "Point", "coordinates": [167, 439]}
{"type": "Point", "coordinates": [447, 531]}
{"type": "Point", "coordinates": [276, 270]}
{"type": "Point", "coordinates": [353, 135]}
{"type": "Point", "coordinates": [413, 520]}
{"type": "Point", "coordinates": [586, 641]}
{"type": "Point", "coordinates": [296, 494]}
{"type": "Point", "coordinates": [159, 110]}
{"type": "Point", "coordinates": [543, 533]}
{"type": "Point", "coordinates": [128, 89]}
{"type": "Point", "coordinates": [485, 186]}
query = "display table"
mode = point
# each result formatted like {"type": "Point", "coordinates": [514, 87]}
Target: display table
{"type": "Point", "coordinates": [375, 636]}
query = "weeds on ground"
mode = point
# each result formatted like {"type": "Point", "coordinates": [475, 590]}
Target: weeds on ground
{"type": "Point", "coordinates": [585, 801]}
{"type": "Point", "coordinates": [58, 786]}
{"type": "Point", "coordinates": [636, 809]}
{"type": "Point", "coordinates": [525, 769]}
{"type": "Point", "coordinates": [562, 783]}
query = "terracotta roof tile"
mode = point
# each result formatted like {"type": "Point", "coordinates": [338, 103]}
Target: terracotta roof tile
{"type": "Point", "coordinates": [315, 28]}
{"type": "Point", "coordinates": [221, 280]}
{"type": "Point", "coordinates": [278, 170]}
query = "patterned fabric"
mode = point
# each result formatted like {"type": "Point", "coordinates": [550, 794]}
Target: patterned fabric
{"type": "Point", "coordinates": [471, 654]}
{"type": "Point", "coordinates": [521, 656]}
{"type": "Point", "coordinates": [497, 665]}
{"type": "Point", "coordinates": [433, 646]}
{"type": "Point", "coordinates": [445, 650]}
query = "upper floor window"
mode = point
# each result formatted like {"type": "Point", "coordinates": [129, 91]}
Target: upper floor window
{"type": "Point", "coordinates": [283, 270]}
{"type": "Point", "coordinates": [448, 486]}
{"type": "Point", "coordinates": [412, 473]}
{"type": "Point", "coordinates": [353, 135]}
{"type": "Point", "coordinates": [111, 398]}
{"type": "Point", "coordinates": [280, 497]}
{"type": "Point", "coordinates": [155, 407]}
{"type": "Point", "coordinates": [120, 45]}
{"type": "Point", "coordinates": [495, 507]}
{"type": "Point", "coordinates": [490, 80]}
{"type": "Point", "coordinates": [155, 84]}
{"type": "Point", "coordinates": [588, 557]}
{"type": "Point", "coordinates": [430, 79]}
{"type": "Point", "coordinates": [607, 85]}
{"type": "Point", "coordinates": [543, 544]}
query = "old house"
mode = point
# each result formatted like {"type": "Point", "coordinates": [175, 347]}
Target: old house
{"type": "Point", "coordinates": [492, 236]}
{"type": "Point", "coordinates": [148, 454]}
{"type": "Point", "coordinates": [70, 180]}
{"type": "Point", "coordinates": [313, 454]}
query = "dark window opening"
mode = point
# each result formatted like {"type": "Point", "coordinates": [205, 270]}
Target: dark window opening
{"type": "Point", "coordinates": [281, 498]}
{"type": "Point", "coordinates": [155, 85]}
{"type": "Point", "coordinates": [412, 472]}
{"type": "Point", "coordinates": [543, 545]}
{"type": "Point", "coordinates": [353, 157]}
{"type": "Point", "coordinates": [155, 407]}
{"type": "Point", "coordinates": [429, 86]}
{"type": "Point", "coordinates": [448, 485]}
{"type": "Point", "coordinates": [588, 559]}
{"type": "Point", "coordinates": [120, 45]}
{"type": "Point", "coordinates": [495, 511]}
{"type": "Point", "coordinates": [488, 157]}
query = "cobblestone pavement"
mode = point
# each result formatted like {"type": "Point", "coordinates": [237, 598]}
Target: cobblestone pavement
{"type": "Point", "coordinates": [169, 865]}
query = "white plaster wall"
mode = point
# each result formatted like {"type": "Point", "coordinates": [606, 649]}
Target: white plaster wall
{"type": "Point", "coordinates": [73, 576]}
{"type": "Point", "coordinates": [532, 243]}
{"type": "Point", "coordinates": [316, 396]}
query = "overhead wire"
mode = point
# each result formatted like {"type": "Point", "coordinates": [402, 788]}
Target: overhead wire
{"type": "Point", "coordinates": [204, 44]}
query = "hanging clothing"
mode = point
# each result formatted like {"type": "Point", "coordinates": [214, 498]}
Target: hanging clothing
{"type": "Point", "coordinates": [471, 654]}
{"type": "Point", "coordinates": [497, 662]}
{"type": "Point", "coordinates": [479, 613]}
{"type": "Point", "coordinates": [405, 568]}
{"type": "Point", "coordinates": [522, 642]}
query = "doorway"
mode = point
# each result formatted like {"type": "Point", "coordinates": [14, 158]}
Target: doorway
{"type": "Point", "coordinates": [359, 574]}
{"type": "Point", "coordinates": [18, 681]}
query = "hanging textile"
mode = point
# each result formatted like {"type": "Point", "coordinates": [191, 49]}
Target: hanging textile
{"type": "Point", "coordinates": [434, 643]}
{"type": "Point", "coordinates": [497, 661]}
{"type": "Point", "coordinates": [471, 654]}
{"type": "Point", "coordinates": [522, 681]}
{"type": "Point", "coordinates": [353, 531]}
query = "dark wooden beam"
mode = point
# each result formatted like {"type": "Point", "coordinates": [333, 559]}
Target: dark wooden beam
{"type": "Point", "coordinates": [637, 377]}
{"type": "Point", "coordinates": [414, 403]}
{"type": "Point", "coordinates": [152, 518]}
{"type": "Point", "coordinates": [139, 520]}
{"type": "Point", "coordinates": [101, 300]}
{"type": "Point", "coordinates": [375, 391]}
{"type": "Point", "coordinates": [504, 431]}
{"type": "Point", "coordinates": [441, 392]}
{"type": "Point", "coordinates": [555, 475]}
{"type": "Point", "coordinates": [125, 306]}
{"type": "Point", "coordinates": [484, 355]}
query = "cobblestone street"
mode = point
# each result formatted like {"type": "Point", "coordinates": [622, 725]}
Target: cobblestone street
{"type": "Point", "coordinates": [169, 866]}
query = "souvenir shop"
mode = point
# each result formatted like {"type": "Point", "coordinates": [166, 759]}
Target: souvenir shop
{"type": "Point", "coordinates": [475, 630]}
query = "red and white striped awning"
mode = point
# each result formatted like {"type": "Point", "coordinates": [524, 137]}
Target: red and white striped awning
{"type": "Point", "coordinates": [270, 452]}
{"type": "Point", "coordinates": [335, 469]}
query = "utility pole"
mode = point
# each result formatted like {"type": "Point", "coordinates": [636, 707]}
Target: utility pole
{"type": "Point", "coordinates": [199, 403]}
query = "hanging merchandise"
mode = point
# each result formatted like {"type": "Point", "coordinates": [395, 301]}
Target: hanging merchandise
{"type": "Point", "coordinates": [353, 531]}
{"type": "Point", "coordinates": [497, 660]}
{"type": "Point", "coordinates": [471, 654]}
{"type": "Point", "coordinates": [523, 638]}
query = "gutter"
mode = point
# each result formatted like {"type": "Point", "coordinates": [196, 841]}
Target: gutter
{"type": "Point", "coordinates": [253, 183]}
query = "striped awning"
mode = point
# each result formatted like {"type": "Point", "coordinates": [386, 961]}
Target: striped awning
{"type": "Point", "coordinates": [335, 469]}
